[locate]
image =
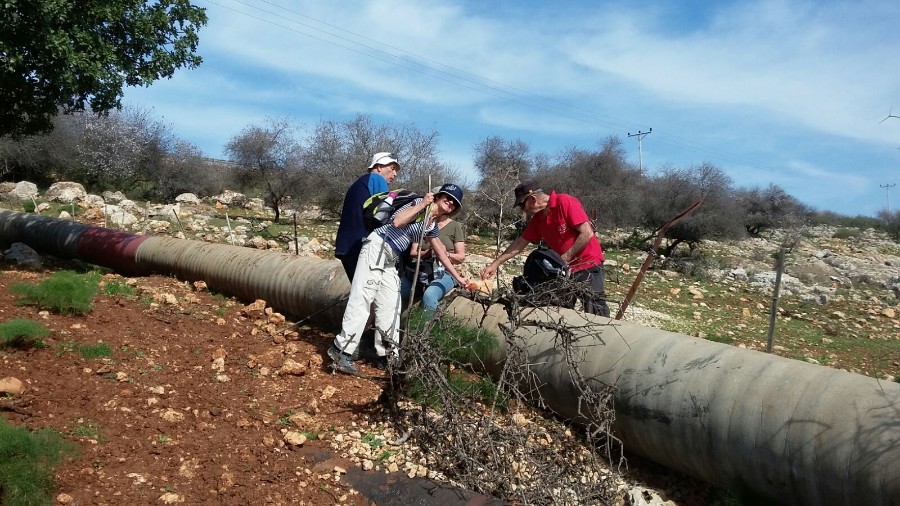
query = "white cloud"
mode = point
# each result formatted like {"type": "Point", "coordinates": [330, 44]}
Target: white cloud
{"type": "Point", "coordinates": [746, 82]}
{"type": "Point", "coordinates": [792, 59]}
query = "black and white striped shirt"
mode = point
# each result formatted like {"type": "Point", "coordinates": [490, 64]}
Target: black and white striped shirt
{"type": "Point", "coordinates": [401, 238]}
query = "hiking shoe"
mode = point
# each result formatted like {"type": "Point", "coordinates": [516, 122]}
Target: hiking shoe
{"type": "Point", "coordinates": [342, 361]}
{"type": "Point", "coordinates": [382, 363]}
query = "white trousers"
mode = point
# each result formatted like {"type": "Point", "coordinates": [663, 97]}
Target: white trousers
{"type": "Point", "coordinates": [374, 281]}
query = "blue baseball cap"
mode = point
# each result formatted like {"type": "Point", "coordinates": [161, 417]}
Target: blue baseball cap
{"type": "Point", "coordinates": [454, 192]}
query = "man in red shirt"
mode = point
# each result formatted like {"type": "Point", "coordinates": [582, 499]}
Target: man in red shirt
{"type": "Point", "coordinates": [560, 221]}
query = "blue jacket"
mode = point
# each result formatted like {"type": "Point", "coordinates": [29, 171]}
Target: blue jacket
{"type": "Point", "coordinates": [352, 229]}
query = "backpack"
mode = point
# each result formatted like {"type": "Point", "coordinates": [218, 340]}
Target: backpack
{"type": "Point", "coordinates": [378, 209]}
{"type": "Point", "coordinates": [542, 267]}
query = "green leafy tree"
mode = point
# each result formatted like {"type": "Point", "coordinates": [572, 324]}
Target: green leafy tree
{"type": "Point", "coordinates": [76, 56]}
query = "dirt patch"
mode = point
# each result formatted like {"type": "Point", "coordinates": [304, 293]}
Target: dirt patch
{"type": "Point", "coordinates": [194, 404]}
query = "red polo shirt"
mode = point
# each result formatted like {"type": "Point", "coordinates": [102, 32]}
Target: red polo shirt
{"type": "Point", "coordinates": [556, 226]}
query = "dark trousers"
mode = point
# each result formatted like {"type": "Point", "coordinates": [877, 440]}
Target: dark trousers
{"type": "Point", "coordinates": [350, 259]}
{"type": "Point", "coordinates": [595, 303]}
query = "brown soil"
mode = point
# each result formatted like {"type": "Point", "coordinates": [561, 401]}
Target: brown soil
{"type": "Point", "coordinates": [163, 421]}
{"type": "Point", "coordinates": [201, 402]}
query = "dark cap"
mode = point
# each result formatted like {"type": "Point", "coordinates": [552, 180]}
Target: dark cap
{"type": "Point", "coordinates": [454, 192]}
{"type": "Point", "coordinates": [524, 190]}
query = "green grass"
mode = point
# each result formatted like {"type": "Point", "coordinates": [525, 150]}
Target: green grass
{"type": "Point", "coordinates": [115, 287]}
{"type": "Point", "coordinates": [463, 347]}
{"type": "Point", "coordinates": [64, 292]}
{"type": "Point", "coordinates": [373, 441]}
{"type": "Point", "coordinates": [145, 299]}
{"type": "Point", "coordinates": [85, 350]}
{"type": "Point", "coordinates": [457, 342]}
{"type": "Point", "coordinates": [27, 462]}
{"type": "Point", "coordinates": [88, 430]}
{"type": "Point", "coordinates": [846, 233]}
{"type": "Point", "coordinates": [22, 333]}
{"type": "Point", "coordinates": [463, 384]}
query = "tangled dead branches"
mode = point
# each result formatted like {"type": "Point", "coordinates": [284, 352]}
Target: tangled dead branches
{"type": "Point", "coordinates": [494, 433]}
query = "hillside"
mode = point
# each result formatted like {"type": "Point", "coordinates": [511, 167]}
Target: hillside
{"type": "Point", "coordinates": [202, 402]}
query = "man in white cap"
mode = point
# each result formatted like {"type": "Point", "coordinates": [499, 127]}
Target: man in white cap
{"type": "Point", "coordinates": [352, 229]}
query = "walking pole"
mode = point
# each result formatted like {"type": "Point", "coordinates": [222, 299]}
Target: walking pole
{"type": "Point", "coordinates": [412, 292]}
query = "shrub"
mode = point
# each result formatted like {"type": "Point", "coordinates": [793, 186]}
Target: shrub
{"type": "Point", "coordinates": [27, 460]}
{"type": "Point", "coordinates": [846, 233]}
{"type": "Point", "coordinates": [22, 333]}
{"type": "Point", "coordinates": [64, 292]}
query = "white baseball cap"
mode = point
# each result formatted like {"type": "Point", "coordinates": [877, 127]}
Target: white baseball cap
{"type": "Point", "coordinates": [383, 158]}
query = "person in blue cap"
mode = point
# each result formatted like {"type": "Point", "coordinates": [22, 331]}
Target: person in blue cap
{"type": "Point", "coordinates": [434, 280]}
{"type": "Point", "coordinates": [377, 281]}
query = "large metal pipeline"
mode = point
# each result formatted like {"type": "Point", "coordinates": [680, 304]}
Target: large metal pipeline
{"type": "Point", "coordinates": [298, 286]}
{"type": "Point", "coordinates": [794, 432]}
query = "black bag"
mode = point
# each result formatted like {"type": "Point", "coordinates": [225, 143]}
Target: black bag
{"type": "Point", "coordinates": [541, 277]}
{"type": "Point", "coordinates": [426, 271]}
{"type": "Point", "coordinates": [378, 209]}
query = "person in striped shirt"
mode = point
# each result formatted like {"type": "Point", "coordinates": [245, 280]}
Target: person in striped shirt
{"type": "Point", "coordinates": [376, 278]}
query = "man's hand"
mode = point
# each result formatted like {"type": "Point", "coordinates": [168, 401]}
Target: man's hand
{"type": "Point", "coordinates": [488, 271]}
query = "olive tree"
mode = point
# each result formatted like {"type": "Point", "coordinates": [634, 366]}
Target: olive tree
{"type": "Point", "coordinates": [77, 56]}
{"type": "Point", "coordinates": [607, 185]}
{"type": "Point", "coordinates": [771, 208]}
{"type": "Point", "coordinates": [183, 169]}
{"type": "Point", "coordinates": [673, 190]}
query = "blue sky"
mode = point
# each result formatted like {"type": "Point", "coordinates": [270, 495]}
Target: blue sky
{"type": "Point", "coordinates": [786, 92]}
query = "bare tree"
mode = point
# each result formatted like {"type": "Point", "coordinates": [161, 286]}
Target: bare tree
{"type": "Point", "coordinates": [271, 159]}
{"type": "Point", "coordinates": [339, 152]}
{"type": "Point", "coordinates": [502, 165]}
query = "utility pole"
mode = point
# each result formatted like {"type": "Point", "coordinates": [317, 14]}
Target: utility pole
{"type": "Point", "coordinates": [887, 194]}
{"type": "Point", "coordinates": [640, 136]}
